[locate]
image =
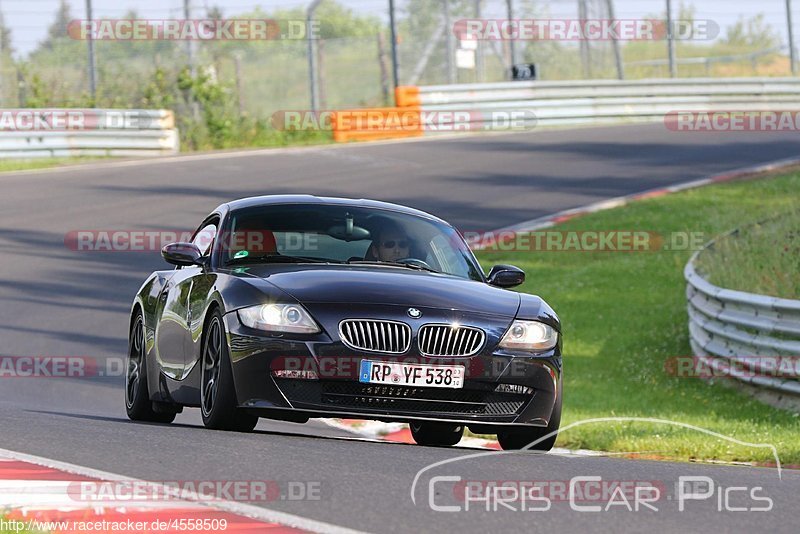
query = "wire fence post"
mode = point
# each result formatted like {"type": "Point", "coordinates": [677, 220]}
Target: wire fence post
{"type": "Point", "coordinates": [512, 48]}
{"type": "Point", "coordinates": [2, 61]}
{"type": "Point", "coordinates": [615, 42]}
{"type": "Point", "coordinates": [237, 64]}
{"type": "Point", "coordinates": [584, 44]}
{"type": "Point", "coordinates": [384, 70]}
{"type": "Point", "coordinates": [187, 15]}
{"type": "Point", "coordinates": [393, 31]}
{"type": "Point", "coordinates": [478, 46]}
{"type": "Point", "coordinates": [92, 61]}
{"type": "Point", "coordinates": [673, 66]}
{"type": "Point", "coordinates": [452, 74]}
{"type": "Point", "coordinates": [792, 52]}
{"type": "Point", "coordinates": [312, 57]}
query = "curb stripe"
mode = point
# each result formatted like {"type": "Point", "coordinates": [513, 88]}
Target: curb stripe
{"type": "Point", "coordinates": [566, 215]}
{"type": "Point", "coordinates": [240, 511]}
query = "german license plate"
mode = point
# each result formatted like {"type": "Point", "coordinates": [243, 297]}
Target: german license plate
{"type": "Point", "coordinates": [403, 374]}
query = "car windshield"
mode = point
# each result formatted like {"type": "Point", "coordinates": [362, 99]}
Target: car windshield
{"type": "Point", "coordinates": [318, 233]}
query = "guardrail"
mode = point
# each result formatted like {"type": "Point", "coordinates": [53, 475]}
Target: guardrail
{"type": "Point", "coordinates": [604, 101]}
{"type": "Point", "coordinates": [583, 102]}
{"type": "Point", "coordinates": [731, 329]}
{"type": "Point", "coordinates": [33, 133]}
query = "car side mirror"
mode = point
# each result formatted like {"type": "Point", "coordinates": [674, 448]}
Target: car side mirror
{"type": "Point", "coordinates": [182, 254]}
{"type": "Point", "coordinates": [506, 276]}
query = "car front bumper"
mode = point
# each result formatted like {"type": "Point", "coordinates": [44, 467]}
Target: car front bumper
{"type": "Point", "coordinates": [499, 388]}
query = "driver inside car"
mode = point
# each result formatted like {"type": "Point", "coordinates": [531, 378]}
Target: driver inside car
{"type": "Point", "coordinates": [391, 245]}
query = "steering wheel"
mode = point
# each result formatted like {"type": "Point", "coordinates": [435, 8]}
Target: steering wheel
{"type": "Point", "coordinates": [415, 261]}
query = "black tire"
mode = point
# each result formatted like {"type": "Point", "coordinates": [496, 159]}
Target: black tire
{"type": "Point", "coordinates": [218, 403]}
{"type": "Point", "coordinates": [437, 434]}
{"type": "Point", "coordinates": [138, 405]}
{"type": "Point", "coordinates": [517, 438]}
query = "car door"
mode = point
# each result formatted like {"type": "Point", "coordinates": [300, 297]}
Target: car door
{"type": "Point", "coordinates": [178, 325]}
{"type": "Point", "coordinates": [202, 283]}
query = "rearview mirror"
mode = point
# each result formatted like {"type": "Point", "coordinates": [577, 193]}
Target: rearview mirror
{"type": "Point", "coordinates": [506, 276]}
{"type": "Point", "coordinates": [182, 254]}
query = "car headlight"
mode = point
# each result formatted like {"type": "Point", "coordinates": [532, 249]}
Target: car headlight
{"type": "Point", "coordinates": [529, 335]}
{"type": "Point", "coordinates": [279, 318]}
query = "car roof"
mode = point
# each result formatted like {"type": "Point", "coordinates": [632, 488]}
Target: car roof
{"type": "Point", "coordinates": [269, 200]}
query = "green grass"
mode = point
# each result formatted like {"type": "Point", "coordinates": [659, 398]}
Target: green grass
{"type": "Point", "coordinates": [9, 165]}
{"type": "Point", "coordinates": [624, 315]}
{"type": "Point", "coordinates": [761, 258]}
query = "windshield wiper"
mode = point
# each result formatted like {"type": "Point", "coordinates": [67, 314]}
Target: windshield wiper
{"type": "Point", "coordinates": [415, 266]}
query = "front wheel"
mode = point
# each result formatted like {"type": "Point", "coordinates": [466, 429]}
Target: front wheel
{"type": "Point", "coordinates": [217, 392]}
{"type": "Point", "coordinates": [138, 405]}
{"type": "Point", "coordinates": [436, 434]}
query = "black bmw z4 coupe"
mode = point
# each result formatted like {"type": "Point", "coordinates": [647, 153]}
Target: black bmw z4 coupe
{"type": "Point", "coordinates": [294, 307]}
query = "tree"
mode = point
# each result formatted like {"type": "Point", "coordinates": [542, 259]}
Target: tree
{"type": "Point", "coordinates": [5, 36]}
{"type": "Point", "coordinates": [58, 29]}
{"type": "Point", "coordinates": [752, 33]}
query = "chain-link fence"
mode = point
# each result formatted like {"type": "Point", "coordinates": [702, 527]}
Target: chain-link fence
{"type": "Point", "coordinates": [45, 60]}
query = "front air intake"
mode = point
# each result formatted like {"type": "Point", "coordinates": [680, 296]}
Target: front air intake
{"type": "Point", "coordinates": [444, 340]}
{"type": "Point", "coordinates": [390, 337]}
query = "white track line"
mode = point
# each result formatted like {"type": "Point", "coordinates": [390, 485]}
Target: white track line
{"type": "Point", "coordinates": [248, 510]}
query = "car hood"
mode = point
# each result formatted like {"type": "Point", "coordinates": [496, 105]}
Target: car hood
{"type": "Point", "coordinates": [387, 286]}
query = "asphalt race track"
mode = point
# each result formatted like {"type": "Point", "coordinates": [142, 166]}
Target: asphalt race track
{"type": "Point", "coordinates": [59, 302]}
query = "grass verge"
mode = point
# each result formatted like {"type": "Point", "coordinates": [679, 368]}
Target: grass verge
{"type": "Point", "coordinates": [624, 316]}
{"type": "Point", "coordinates": [762, 258]}
{"type": "Point", "coordinates": [10, 165]}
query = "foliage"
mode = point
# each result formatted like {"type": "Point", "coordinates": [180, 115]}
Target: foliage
{"type": "Point", "coordinates": [752, 33]}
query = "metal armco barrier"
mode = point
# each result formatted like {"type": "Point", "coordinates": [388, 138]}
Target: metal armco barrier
{"type": "Point", "coordinates": [489, 106]}
{"type": "Point", "coordinates": [728, 329]}
{"type": "Point", "coordinates": [608, 101]}
{"type": "Point", "coordinates": [32, 133]}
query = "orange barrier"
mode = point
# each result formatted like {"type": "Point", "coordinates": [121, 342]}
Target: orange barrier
{"type": "Point", "coordinates": [371, 124]}
{"type": "Point", "coordinates": [406, 96]}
